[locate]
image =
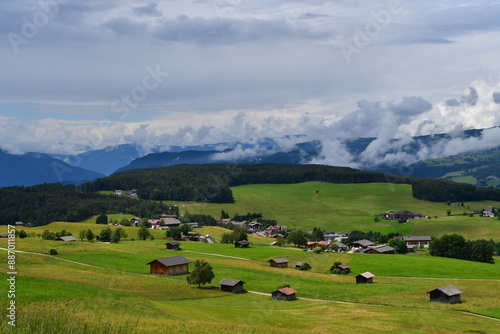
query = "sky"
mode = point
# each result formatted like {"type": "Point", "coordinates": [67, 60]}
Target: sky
{"type": "Point", "coordinates": [79, 75]}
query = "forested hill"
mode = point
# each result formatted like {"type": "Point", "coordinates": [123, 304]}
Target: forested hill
{"type": "Point", "coordinates": [212, 182]}
{"type": "Point", "coordinates": [45, 203]}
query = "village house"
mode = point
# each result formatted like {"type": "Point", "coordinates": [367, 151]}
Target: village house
{"type": "Point", "coordinates": [331, 237]}
{"type": "Point", "coordinates": [132, 193]}
{"type": "Point", "coordinates": [447, 294]}
{"type": "Point", "coordinates": [163, 215]}
{"type": "Point", "coordinates": [118, 192]}
{"type": "Point", "coordinates": [401, 215]}
{"type": "Point", "coordinates": [382, 249]}
{"type": "Point", "coordinates": [171, 222]}
{"type": "Point", "coordinates": [284, 294]}
{"type": "Point", "coordinates": [365, 278]}
{"type": "Point", "coordinates": [242, 244]}
{"type": "Point", "coordinates": [66, 238]}
{"type": "Point", "coordinates": [231, 285]}
{"type": "Point", "coordinates": [489, 212]}
{"type": "Point", "coordinates": [313, 244]}
{"type": "Point", "coordinates": [342, 247]}
{"type": "Point", "coordinates": [19, 224]}
{"type": "Point", "coordinates": [175, 265]}
{"type": "Point", "coordinates": [173, 245]}
{"type": "Point", "coordinates": [416, 241]}
{"type": "Point", "coordinates": [280, 262]}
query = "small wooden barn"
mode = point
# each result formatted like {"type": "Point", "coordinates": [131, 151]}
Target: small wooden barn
{"type": "Point", "coordinates": [447, 294]}
{"type": "Point", "coordinates": [175, 265]}
{"type": "Point", "coordinates": [382, 249]}
{"type": "Point", "coordinates": [365, 278]}
{"type": "Point", "coordinates": [231, 285]}
{"type": "Point", "coordinates": [284, 294]}
{"type": "Point", "coordinates": [242, 244]}
{"type": "Point", "coordinates": [279, 262]}
{"type": "Point", "coordinates": [173, 245]}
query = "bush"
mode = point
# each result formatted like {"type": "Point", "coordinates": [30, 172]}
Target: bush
{"type": "Point", "coordinates": [53, 252]}
{"type": "Point", "coordinates": [317, 250]}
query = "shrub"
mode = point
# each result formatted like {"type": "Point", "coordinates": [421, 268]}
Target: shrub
{"type": "Point", "coordinates": [53, 252]}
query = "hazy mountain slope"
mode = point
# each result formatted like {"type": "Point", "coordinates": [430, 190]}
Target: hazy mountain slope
{"type": "Point", "coordinates": [35, 168]}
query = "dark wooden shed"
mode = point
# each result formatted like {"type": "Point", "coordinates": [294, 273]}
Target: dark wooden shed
{"type": "Point", "coordinates": [365, 278]}
{"type": "Point", "coordinates": [447, 294]}
{"type": "Point", "coordinates": [175, 265]}
{"type": "Point", "coordinates": [279, 262]}
{"type": "Point", "coordinates": [173, 245]}
{"type": "Point", "coordinates": [231, 285]}
{"type": "Point", "coordinates": [242, 244]}
{"type": "Point", "coordinates": [284, 294]}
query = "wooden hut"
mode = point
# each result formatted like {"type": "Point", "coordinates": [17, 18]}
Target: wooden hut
{"type": "Point", "coordinates": [280, 262]}
{"type": "Point", "coordinates": [173, 245]}
{"type": "Point", "coordinates": [231, 285]}
{"type": "Point", "coordinates": [447, 294]}
{"type": "Point", "coordinates": [242, 244]}
{"type": "Point", "coordinates": [365, 278]}
{"type": "Point", "coordinates": [175, 265]}
{"type": "Point", "coordinates": [284, 294]}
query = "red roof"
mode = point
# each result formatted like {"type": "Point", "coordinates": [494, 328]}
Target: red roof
{"type": "Point", "coordinates": [288, 291]}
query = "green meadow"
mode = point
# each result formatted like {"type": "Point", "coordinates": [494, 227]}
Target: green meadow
{"type": "Point", "coordinates": [345, 207]}
{"type": "Point", "coordinates": [110, 290]}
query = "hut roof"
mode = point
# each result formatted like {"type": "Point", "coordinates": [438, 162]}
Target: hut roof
{"type": "Point", "coordinates": [67, 238]}
{"type": "Point", "coordinates": [172, 261]}
{"type": "Point", "coordinates": [229, 282]}
{"type": "Point", "coordinates": [173, 243]}
{"type": "Point", "coordinates": [364, 243]}
{"type": "Point", "coordinates": [420, 238]}
{"type": "Point", "coordinates": [243, 242]}
{"type": "Point", "coordinates": [279, 260]}
{"type": "Point", "coordinates": [449, 290]}
{"type": "Point", "coordinates": [298, 264]}
{"type": "Point", "coordinates": [382, 249]}
{"type": "Point", "coordinates": [367, 275]}
{"type": "Point", "coordinates": [343, 266]}
{"type": "Point", "coordinates": [287, 291]}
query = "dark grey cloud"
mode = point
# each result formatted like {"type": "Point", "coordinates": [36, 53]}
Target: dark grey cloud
{"type": "Point", "coordinates": [410, 106]}
{"type": "Point", "coordinates": [471, 97]}
{"type": "Point", "coordinates": [496, 97]}
{"type": "Point", "coordinates": [452, 102]}
{"type": "Point", "coordinates": [148, 10]}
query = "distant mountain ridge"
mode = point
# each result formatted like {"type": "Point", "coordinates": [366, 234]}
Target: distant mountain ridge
{"type": "Point", "coordinates": [36, 168]}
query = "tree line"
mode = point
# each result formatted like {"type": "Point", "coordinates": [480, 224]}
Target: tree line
{"type": "Point", "coordinates": [212, 182]}
{"type": "Point", "coordinates": [455, 246]}
{"type": "Point", "coordinates": [42, 204]}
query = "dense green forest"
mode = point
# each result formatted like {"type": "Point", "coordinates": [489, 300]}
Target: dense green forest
{"type": "Point", "coordinates": [45, 203]}
{"type": "Point", "coordinates": [212, 182]}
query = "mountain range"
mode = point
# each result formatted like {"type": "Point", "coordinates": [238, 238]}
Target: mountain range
{"type": "Point", "coordinates": [395, 156]}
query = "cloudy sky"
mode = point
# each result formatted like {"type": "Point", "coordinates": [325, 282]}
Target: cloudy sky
{"type": "Point", "coordinates": [89, 74]}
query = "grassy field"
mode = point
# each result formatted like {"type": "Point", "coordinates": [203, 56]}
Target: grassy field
{"type": "Point", "coordinates": [119, 295]}
{"type": "Point", "coordinates": [344, 207]}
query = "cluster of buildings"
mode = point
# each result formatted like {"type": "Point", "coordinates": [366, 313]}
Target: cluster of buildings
{"type": "Point", "coordinates": [128, 193]}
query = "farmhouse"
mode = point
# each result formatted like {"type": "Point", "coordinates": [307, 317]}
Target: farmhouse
{"type": "Point", "coordinates": [175, 265]}
{"type": "Point", "coordinates": [171, 222]}
{"type": "Point", "coordinates": [382, 249]}
{"type": "Point", "coordinates": [242, 244]}
{"type": "Point", "coordinates": [173, 245]}
{"type": "Point", "coordinates": [402, 214]}
{"type": "Point", "coordinates": [284, 294]}
{"type": "Point", "coordinates": [67, 238]}
{"type": "Point", "coordinates": [365, 278]}
{"type": "Point", "coordinates": [231, 285]}
{"type": "Point", "coordinates": [416, 241]}
{"type": "Point", "coordinates": [362, 243]}
{"type": "Point", "coordinates": [447, 294]}
{"type": "Point", "coordinates": [19, 224]}
{"type": "Point", "coordinates": [280, 262]}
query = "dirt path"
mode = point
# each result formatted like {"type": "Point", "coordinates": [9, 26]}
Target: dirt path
{"type": "Point", "coordinates": [231, 257]}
